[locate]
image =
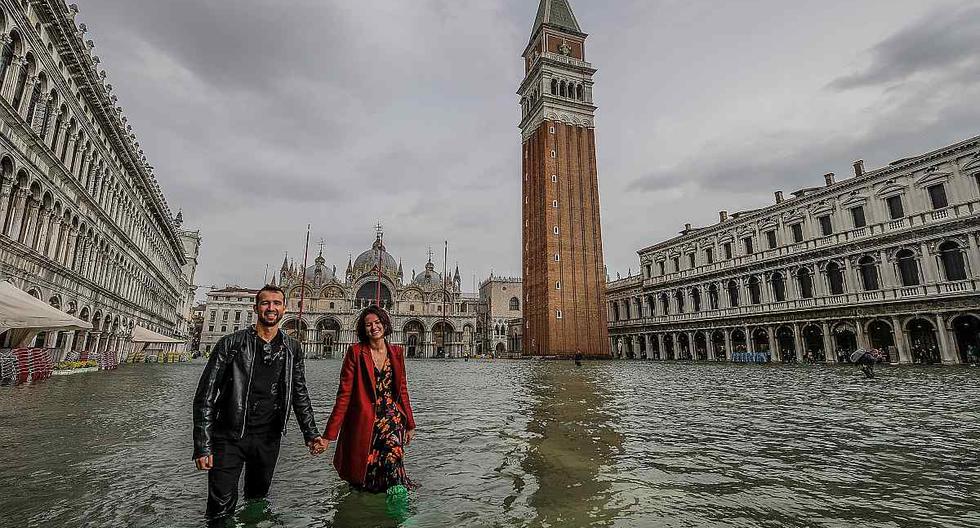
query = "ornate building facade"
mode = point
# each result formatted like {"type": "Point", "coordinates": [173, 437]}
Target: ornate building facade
{"type": "Point", "coordinates": [500, 303]}
{"type": "Point", "coordinates": [431, 316]}
{"type": "Point", "coordinates": [83, 222]}
{"type": "Point", "coordinates": [564, 275]}
{"type": "Point", "coordinates": [887, 260]}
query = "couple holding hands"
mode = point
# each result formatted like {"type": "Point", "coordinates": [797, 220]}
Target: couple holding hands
{"type": "Point", "coordinates": [253, 378]}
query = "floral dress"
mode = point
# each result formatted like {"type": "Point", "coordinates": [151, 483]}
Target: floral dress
{"type": "Point", "coordinates": [385, 462]}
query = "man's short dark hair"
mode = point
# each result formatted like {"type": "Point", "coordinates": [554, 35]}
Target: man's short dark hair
{"type": "Point", "coordinates": [270, 288]}
{"type": "Point", "coordinates": [362, 335]}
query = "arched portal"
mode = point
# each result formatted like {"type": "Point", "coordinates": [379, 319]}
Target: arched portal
{"type": "Point", "coordinates": [924, 344]}
{"type": "Point", "coordinates": [881, 337]}
{"type": "Point", "coordinates": [786, 344]}
{"type": "Point", "coordinates": [367, 295]}
{"type": "Point", "coordinates": [443, 339]}
{"type": "Point", "coordinates": [700, 346]}
{"type": "Point", "coordinates": [845, 342]}
{"type": "Point", "coordinates": [296, 329]}
{"type": "Point", "coordinates": [669, 347]}
{"type": "Point", "coordinates": [760, 341]}
{"type": "Point", "coordinates": [413, 334]}
{"type": "Point", "coordinates": [967, 331]}
{"type": "Point", "coordinates": [328, 336]}
{"type": "Point", "coordinates": [739, 343]}
{"type": "Point", "coordinates": [813, 343]}
{"type": "Point", "coordinates": [718, 345]}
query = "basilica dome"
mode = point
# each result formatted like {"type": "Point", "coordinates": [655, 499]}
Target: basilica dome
{"type": "Point", "coordinates": [369, 259]}
{"type": "Point", "coordinates": [429, 277]}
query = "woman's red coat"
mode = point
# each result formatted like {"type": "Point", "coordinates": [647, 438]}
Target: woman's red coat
{"type": "Point", "coordinates": [351, 422]}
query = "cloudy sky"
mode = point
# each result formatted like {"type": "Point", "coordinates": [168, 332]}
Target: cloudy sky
{"type": "Point", "coordinates": [263, 116]}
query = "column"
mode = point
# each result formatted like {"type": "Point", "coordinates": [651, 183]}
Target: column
{"type": "Point", "coordinates": [851, 283]}
{"type": "Point", "coordinates": [43, 230]}
{"type": "Point", "coordinates": [691, 349]}
{"type": "Point", "coordinates": [17, 214]}
{"type": "Point", "coordinates": [30, 223]}
{"type": "Point", "coordinates": [930, 275]}
{"type": "Point", "coordinates": [972, 256]}
{"type": "Point", "coordinates": [903, 350]}
{"type": "Point", "coordinates": [774, 351]}
{"type": "Point", "coordinates": [862, 336]}
{"type": "Point", "coordinates": [748, 339]}
{"type": "Point", "coordinates": [710, 343]}
{"type": "Point", "coordinates": [25, 98]}
{"type": "Point", "coordinates": [728, 343]}
{"type": "Point", "coordinates": [798, 341]}
{"type": "Point", "coordinates": [947, 352]}
{"type": "Point", "coordinates": [69, 343]}
{"type": "Point", "coordinates": [660, 347]}
{"type": "Point", "coordinates": [829, 352]}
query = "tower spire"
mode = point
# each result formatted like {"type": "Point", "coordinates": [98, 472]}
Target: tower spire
{"type": "Point", "coordinates": [555, 13]}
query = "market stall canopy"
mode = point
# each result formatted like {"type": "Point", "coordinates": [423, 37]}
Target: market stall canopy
{"type": "Point", "coordinates": [20, 311]}
{"type": "Point", "coordinates": [143, 335]}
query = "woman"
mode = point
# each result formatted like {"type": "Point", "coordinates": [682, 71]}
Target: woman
{"type": "Point", "coordinates": [372, 418]}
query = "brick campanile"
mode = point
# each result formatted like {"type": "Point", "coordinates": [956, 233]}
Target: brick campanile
{"type": "Point", "coordinates": [564, 274]}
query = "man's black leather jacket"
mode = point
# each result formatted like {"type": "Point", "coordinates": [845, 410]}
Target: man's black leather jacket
{"type": "Point", "coordinates": [221, 401]}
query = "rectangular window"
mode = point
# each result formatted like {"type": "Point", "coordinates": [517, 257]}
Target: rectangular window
{"type": "Point", "coordinates": [895, 209]}
{"type": "Point", "coordinates": [826, 228]}
{"type": "Point", "coordinates": [556, 230]}
{"type": "Point", "coordinates": [559, 314]}
{"type": "Point", "coordinates": [937, 195]}
{"type": "Point", "coordinates": [797, 230]}
{"type": "Point", "coordinates": [857, 214]}
{"type": "Point", "coordinates": [677, 263]}
{"type": "Point", "coordinates": [557, 257]}
{"type": "Point", "coordinates": [211, 328]}
{"type": "Point", "coordinates": [554, 178]}
{"type": "Point", "coordinates": [728, 250]}
{"type": "Point", "coordinates": [647, 271]}
{"type": "Point", "coordinates": [554, 154]}
{"type": "Point", "coordinates": [238, 316]}
{"type": "Point", "coordinates": [709, 256]}
{"type": "Point", "coordinates": [224, 316]}
{"type": "Point", "coordinates": [771, 238]}
{"type": "Point", "coordinates": [663, 267]}
{"type": "Point", "coordinates": [747, 242]}
{"type": "Point", "coordinates": [224, 328]}
{"type": "Point", "coordinates": [558, 285]}
{"type": "Point", "coordinates": [214, 314]}
{"type": "Point", "coordinates": [691, 259]}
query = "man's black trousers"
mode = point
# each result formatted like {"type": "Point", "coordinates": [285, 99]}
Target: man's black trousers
{"type": "Point", "coordinates": [257, 453]}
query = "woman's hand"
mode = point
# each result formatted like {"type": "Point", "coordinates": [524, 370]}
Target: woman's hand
{"type": "Point", "coordinates": [409, 435]}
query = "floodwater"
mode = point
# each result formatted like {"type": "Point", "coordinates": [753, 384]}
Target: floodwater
{"type": "Point", "coordinates": [531, 443]}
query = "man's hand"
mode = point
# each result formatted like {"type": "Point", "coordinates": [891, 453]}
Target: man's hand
{"type": "Point", "coordinates": [204, 463]}
{"type": "Point", "coordinates": [409, 435]}
{"type": "Point", "coordinates": [318, 445]}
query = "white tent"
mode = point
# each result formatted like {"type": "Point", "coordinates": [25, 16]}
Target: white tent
{"type": "Point", "coordinates": [27, 316]}
{"type": "Point", "coordinates": [143, 335]}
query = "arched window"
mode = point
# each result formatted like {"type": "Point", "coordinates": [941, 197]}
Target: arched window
{"type": "Point", "coordinates": [869, 274]}
{"type": "Point", "coordinates": [626, 310]}
{"type": "Point", "coordinates": [954, 265]}
{"type": "Point", "coordinates": [554, 87]}
{"type": "Point", "coordinates": [679, 295]}
{"type": "Point", "coordinates": [713, 297]}
{"type": "Point", "coordinates": [908, 267]}
{"type": "Point", "coordinates": [579, 93]}
{"type": "Point", "coordinates": [21, 85]}
{"type": "Point", "coordinates": [732, 293]}
{"type": "Point", "coordinates": [665, 304]}
{"type": "Point", "coordinates": [615, 307]}
{"type": "Point", "coordinates": [696, 300]}
{"type": "Point", "coordinates": [64, 146]}
{"type": "Point", "coordinates": [755, 292]}
{"type": "Point", "coordinates": [39, 88]}
{"type": "Point", "coordinates": [562, 89]}
{"type": "Point", "coordinates": [805, 281]}
{"type": "Point", "coordinates": [778, 287]}
{"type": "Point", "coordinates": [6, 57]}
{"type": "Point", "coordinates": [835, 278]}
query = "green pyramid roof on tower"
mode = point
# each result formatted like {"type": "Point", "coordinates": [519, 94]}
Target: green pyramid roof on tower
{"type": "Point", "coordinates": [556, 13]}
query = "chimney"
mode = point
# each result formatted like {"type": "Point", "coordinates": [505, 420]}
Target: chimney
{"type": "Point", "coordinates": [779, 197]}
{"type": "Point", "coordinates": [722, 216]}
{"type": "Point", "coordinates": [829, 178]}
{"type": "Point", "coordinates": [858, 168]}
{"type": "Point", "coordinates": [687, 227]}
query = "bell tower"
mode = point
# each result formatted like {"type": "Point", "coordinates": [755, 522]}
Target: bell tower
{"type": "Point", "coordinates": [564, 274]}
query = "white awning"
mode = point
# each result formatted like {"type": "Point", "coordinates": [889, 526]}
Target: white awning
{"type": "Point", "coordinates": [20, 310]}
{"type": "Point", "coordinates": [143, 335]}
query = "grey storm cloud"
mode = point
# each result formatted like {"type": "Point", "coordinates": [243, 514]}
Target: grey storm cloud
{"type": "Point", "coordinates": [263, 116]}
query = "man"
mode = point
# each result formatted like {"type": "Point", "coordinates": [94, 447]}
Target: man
{"type": "Point", "coordinates": [242, 405]}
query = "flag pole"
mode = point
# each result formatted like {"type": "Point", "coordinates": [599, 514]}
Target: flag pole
{"type": "Point", "coordinates": [302, 289]}
{"type": "Point", "coordinates": [381, 246]}
{"type": "Point", "coordinates": [445, 292]}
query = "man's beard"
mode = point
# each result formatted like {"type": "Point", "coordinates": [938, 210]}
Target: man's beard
{"type": "Point", "coordinates": [265, 319]}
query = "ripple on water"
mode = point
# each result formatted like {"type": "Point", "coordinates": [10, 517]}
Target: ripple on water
{"type": "Point", "coordinates": [532, 443]}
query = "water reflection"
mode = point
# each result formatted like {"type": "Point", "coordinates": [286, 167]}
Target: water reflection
{"type": "Point", "coordinates": [573, 444]}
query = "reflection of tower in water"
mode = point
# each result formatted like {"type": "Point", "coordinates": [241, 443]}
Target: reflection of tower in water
{"type": "Point", "coordinates": [574, 442]}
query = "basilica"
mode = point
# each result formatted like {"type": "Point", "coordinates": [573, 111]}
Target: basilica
{"type": "Point", "coordinates": [430, 314]}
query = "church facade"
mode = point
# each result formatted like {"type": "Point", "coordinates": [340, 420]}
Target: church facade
{"type": "Point", "coordinates": [563, 271]}
{"type": "Point", "coordinates": [888, 259]}
{"type": "Point", "coordinates": [431, 315]}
